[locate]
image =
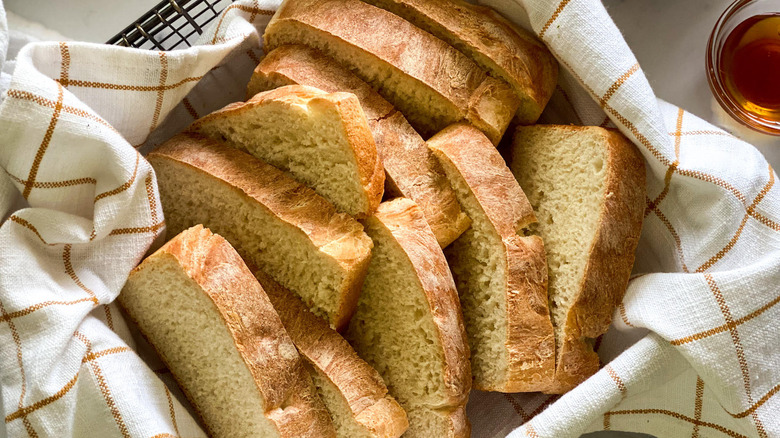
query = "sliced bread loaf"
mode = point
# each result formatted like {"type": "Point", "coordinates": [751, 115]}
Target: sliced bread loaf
{"type": "Point", "coordinates": [504, 50]}
{"type": "Point", "coordinates": [215, 329]}
{"type": "Point", "coordinates": [412, 172]}
{"type": "Point", "coordinates": [587, 187]}
{"type": "Point", "coordinates": [353, 392]}
{"type": "Point", "coordinates": [273, 221]}
{"type": "Point", "coordinates": [432, 83]}
{"type": "Point", "coordinates": [501, 276]}
{"type": "Point", "coordinates": [321, 139]}
{"type": "Point", "coordinates": [409, 325]}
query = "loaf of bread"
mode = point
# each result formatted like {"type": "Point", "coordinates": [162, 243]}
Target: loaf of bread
{"type": "Point", "coordinates": [273, 221]}
{"type": "Point", "coordinates": [501, 276]}
{"type": "Point", "coordinates": [504, 50]}
{"type": "Point", "coordinates": [408, 324]}
{"type": "Point", "coordinates": [353, 392]}
{"type": "Point", "coordinates": [587, 188]}
{"type": "Point", "coordinates": [428, 80]}
{"type": "Point", "coordinates": [321, 139]}
{"type": "Point", "coordinates": [412, 172]}
{"type": "Point", "coordinates": [200, 307]}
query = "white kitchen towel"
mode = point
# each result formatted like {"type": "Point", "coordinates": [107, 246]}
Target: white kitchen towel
{"type": "Point", "coordinates": [695, 347]}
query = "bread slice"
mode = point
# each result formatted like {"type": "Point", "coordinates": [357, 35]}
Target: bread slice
{"type": "Point", "coordinates": [432, 83]}
{"type": "Point", "coordinates": [504, 50]}
{"type": "Point", "coordinates": [273, 221]}
{"type": "Point", "coordinates": [353, 392]}
{"type": "Point", "coordinates": [215, 329]}
{"type": "Point", "coordinates": [501, 276]}
{"type": "Point", "coordinates": [409, 326]}
{"type": "Point", "coordinates": [412, 172]}
{"type": "Point", "coordinates": [321, 139]}
{"type": "Point", "coordinates": [587, 187]}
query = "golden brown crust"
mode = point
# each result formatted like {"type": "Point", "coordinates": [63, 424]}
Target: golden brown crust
{"type": "Point", "coordinates": [353, 121]}
{"type": "Point", "coordinates": [412, 171]}
{"type": "Point", "coordinates": [487, 175]}
{"type": "Point", "coordinates": [461, 427]}
{"type": "Point", "coordinates": [610, 262]}
{"type": "Point", "coordinates": [291, 402]}
{"type": "Point", "coordinates": [455, 84]}
{"type": "Point", "coordinates": [404, 220]}
{"type": "Point", "coordinates": [497, 45]}
{"type": "Point", "coordinates": [530, 341]}
{"type": "Point", "coordinates": [297, 64]}
{"type": "Point", "coordinates": [610, 258]}
{"type": "Point", "coordinates": [330, 355]}
{"type": "Point", "coordinates": [336, 234]}
{"type": "Point", "coordinates": [530, 336]}
{"type": "Point", "coordinates": [304, 423]}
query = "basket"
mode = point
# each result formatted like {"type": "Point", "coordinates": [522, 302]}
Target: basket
{"type": "Point", "coordinates": [171, 24]}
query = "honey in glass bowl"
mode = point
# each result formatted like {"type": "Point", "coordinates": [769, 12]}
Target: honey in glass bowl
{"type": "Point", "coordinates": [743, 60]}
{"type": "Point", "coordinates": [750, 59]}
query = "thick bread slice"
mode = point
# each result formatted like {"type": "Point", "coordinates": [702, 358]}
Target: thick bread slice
{"type": "Point", "coordinates": [504, 50]}
{"type": "Point", "coordinates": [200, 307]}
{"type": "Point", "coordinates": [412, 172]}
{"type": "Point", "coordinates": [409, 325]}
{"type": "Point", "coordinates": [587, 187]}
{"type": "Point", "coordinates": [501, 276]}
{"type": "Point", "coordinates": [353, 392]}
{"type": "Point", "coordinates": [273, 221]}
{"type": "Point", "coordinates": [428, 80]}
{"type": "Point", "coordinates": [322, 140]}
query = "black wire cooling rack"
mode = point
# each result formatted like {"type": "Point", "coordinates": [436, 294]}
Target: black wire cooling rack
{"type": "Point", "coordinates": [172, 24]}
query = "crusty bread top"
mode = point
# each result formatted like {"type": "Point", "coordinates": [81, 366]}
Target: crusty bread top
{"type": "Point", "coordinates": [351, 118]}
{"type": "Point", "coordinates": [260, 339]}
{"type": "Point", "coordinates": [493, 42]}
{"type": "Point", "coordinates": [336, 234]}
{"type": "Point", "coordinates": [361, 386]}
{"type": "Point", "coordinates": [296, 64]}
{"type": "Point", "coordinates": [487, 175]}
{"type": "Point", "coordinates": [218, 269]}
{"type": "Point", "coordinates": [407, 224]}
{"type": "Point", "coordinates": [529, 340]}
{"type": "Point", "coordinates": [391, 39]}
{"type": "Point", "coordinates": [611, 251]}
{"type": "Point", "coordinates": [412, 171]}
{"type": "Point", "coordinates": [426, 61]}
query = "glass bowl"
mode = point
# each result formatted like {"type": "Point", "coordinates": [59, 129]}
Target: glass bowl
{"type": "Point", "coordinates": [735, 14]}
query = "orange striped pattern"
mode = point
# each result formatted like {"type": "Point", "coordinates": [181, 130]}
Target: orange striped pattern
{"type": "Point", "coordinates": [618, 381]}
{"type": "Point", "coordinates": [555, 15]}
{"type": "Point", "coordinates": [127, 87]}
{"type": "Point", "coordinates": [677, 416]}
{"type": "Point", "coordinates": [87, 95]}
{"type": "Point", "coordinates": [697, 407]}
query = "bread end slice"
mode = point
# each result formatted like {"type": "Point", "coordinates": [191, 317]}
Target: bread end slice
{"type": "Point", "coordinates": [501, 275]}
{"type": "Point", "coordinates": [409, 325]}
{"type": "Point", "coordinates": [196, 291]}
{"type": "Point", "coordinates": [353, 392]}
{"type": "Point", "coordinates": [322, 139]}
{"type": "Point", "coordinates": [587, 187]}
{"type": "Point", "coordinates": [411, 170]}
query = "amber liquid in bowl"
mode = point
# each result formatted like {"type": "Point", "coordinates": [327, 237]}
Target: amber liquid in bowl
{"type": "Point", "coordinates": [750, 65]}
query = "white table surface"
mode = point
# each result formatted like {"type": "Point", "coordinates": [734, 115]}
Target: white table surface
{"type": "Point", "coordinates": [668, 37]}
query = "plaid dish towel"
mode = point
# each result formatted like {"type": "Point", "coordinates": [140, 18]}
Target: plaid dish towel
{"type": "Point", "coordinates": [695, 346]}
